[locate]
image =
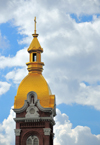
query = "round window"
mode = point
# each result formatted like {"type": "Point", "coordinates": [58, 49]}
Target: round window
{"type": "Point", "coordinates": [32, 111]}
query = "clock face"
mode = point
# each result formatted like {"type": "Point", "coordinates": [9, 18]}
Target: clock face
{"type": "Point", "coordinates": [32, 111]}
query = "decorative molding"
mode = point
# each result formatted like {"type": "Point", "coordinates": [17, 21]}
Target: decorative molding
{"type": "Point", "coordinates": [22, 109]}
{"type": "Point", "coordinates": [17, 132]}
{"type": "Point", "coordinates": [32, 111]}
{"type": "Point", "coordinates": [38, 119]}
{"type": "Point", "coordinates": [32, 93]}
{"type": "Point", "coordinates": [36, 102]}
{"type": "Point", "coordinates": [47, 131]}
{"type": "Point", "coordinates": [28, 101]}
{"type": "Point", "coordinates": [42, 108]}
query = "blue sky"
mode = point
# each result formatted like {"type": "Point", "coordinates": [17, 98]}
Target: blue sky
{"type": "Point", "coordinates": [69, 33]}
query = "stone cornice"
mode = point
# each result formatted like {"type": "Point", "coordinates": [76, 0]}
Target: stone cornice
{"type": "Point", "coordinates": [37, 102]}
{"type": "Point", "coordinates": [38, 119]}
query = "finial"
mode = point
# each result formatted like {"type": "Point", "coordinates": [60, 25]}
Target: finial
{"type": "Point", "coordinates": [35, 25]}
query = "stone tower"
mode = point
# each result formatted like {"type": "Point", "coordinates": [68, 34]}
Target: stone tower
{"type": "Point", "coordinates": [34, 103]}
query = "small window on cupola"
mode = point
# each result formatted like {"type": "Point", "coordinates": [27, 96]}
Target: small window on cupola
{"type": "Point", "coordinates": [34, 57]}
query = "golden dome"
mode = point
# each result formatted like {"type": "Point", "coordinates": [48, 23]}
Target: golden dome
{"type": "Point", "coordinates": [36, 83]}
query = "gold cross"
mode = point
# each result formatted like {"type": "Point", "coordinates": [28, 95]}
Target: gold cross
{"type": "Point", "coordinates": [35, 25]}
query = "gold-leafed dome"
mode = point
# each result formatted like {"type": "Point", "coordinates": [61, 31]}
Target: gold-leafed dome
{"type": "Point", "coordinates": [34, 81]}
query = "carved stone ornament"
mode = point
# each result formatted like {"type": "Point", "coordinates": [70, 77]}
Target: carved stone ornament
{"type": "Point", "coordinates": [17, 132]}
{"type": "Point", "coordinates": [32, 111]}
{"type": "Point", "coordinates": [36, 102]}
{"type": "Point", "coordinates": [47, 131]}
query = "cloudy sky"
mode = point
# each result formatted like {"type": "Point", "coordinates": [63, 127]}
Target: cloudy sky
{"type": "Point", "coordinates": [69, 32]}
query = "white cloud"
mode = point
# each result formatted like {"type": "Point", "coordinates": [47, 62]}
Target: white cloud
{"type": "Point", "coordinates": [7, 130]}
{"type": "Point", "coordinates": [25, 8]}
{"type": "Point", "coordinates": [64, 133]}
{"type": "Point", "coordinates": [4, 43]}
{"type": "Point", "coordinates": [4, 87]}
{"type": "Point", "coordinates": [71, 50]}
{"type": "Point", "coordinates": [71, 55]}
{"type": "Point", "coordinates": [18, 60]}
{"type": "Point", "coordinates": [69, 91]}
{"type": "Point", "coordinates": [17, 75]}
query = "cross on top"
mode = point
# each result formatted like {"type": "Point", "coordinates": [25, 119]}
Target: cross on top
{"type": "Point", "coordinates": [35, 25]}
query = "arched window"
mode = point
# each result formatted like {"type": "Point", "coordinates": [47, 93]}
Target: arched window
{"type": "Point", "coordinates": [35, 141]}
{"type": "Point", "coordinates": [32, 140]}
{"type": "Point", "coordinates": [29, 141]}
{"type": "Point", "coordinates": [34, 57]}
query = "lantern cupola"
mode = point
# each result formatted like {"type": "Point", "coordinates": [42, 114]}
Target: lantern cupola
{"type": "Point", "coordinates": [35, 65]}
